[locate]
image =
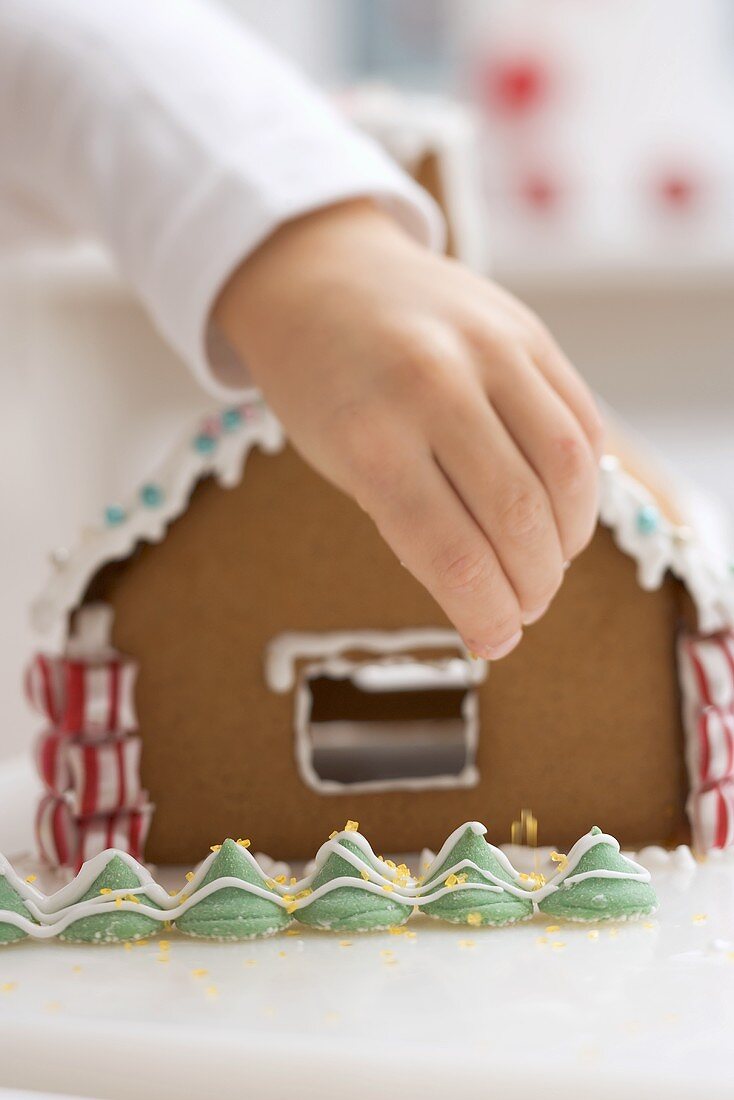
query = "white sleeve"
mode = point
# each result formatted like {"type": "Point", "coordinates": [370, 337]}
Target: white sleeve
{"type": "Point", "coordinates": [180, 141]}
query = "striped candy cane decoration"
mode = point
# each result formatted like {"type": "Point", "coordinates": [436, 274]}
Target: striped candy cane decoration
{"type": "Point", "coordinates": [707, 686]}
{"type": "Point", "coordinates": [83, 697]}
{"type": "Point", "coordinates": [67, 841]}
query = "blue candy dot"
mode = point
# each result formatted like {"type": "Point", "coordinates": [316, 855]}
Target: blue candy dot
{"type": "Point", "coordinates": [151, 495]}
{"type": "Point", "coordinates": [204, 443]}
{"type": "Point", "coordinates": [648, 519]}
{"type": "Point", "coordinates": [114, 515]}
{"type": "Point", "coordinates": [231, 419]}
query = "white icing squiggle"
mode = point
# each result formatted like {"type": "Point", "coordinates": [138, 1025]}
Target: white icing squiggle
{"type": "Point", "coordinates": [53, 914]}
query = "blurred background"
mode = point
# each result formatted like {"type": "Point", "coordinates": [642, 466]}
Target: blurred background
{"type": "Point", "coordinates": [587, 152]}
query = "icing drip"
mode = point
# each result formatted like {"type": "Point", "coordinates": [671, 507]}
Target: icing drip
{"type": "Point", "coordinates": [115, 898]}
{"type": "Point", "coordinates": [659, 546]}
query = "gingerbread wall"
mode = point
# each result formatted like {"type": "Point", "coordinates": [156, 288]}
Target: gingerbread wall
{"type": "Point", "coordinates": [581, 723]}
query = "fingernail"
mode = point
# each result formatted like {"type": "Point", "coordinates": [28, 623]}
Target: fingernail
{"type": "Point", "coordinates": [494, 653]}
{"type": "Point", "coordinates": [532, 616]}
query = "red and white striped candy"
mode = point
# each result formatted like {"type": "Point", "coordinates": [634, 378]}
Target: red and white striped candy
{"type": "Point", "coordinates": [713, 816]}
{"type": "Point", "coordinates": [67, 841]}
{"type": "Point", "coordinates": [80, 697]}
{"type": "Point", "coordinates": [105, 775]}
{"type": "Point", "coordinates": [707, 669]}
{"type": "Point", "coordinates": [52, 762]}
{"type": "Point", "coordinates": [715, 743]}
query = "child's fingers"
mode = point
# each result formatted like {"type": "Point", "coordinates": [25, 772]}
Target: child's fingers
{"type": "Point", "coordinates": [552, 440]}
{"type": "Point", "coordinates": [434, 536]}
{"type": "Point", "coordinates": [506, 497]}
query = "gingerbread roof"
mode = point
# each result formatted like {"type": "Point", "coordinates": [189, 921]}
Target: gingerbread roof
{"type": "Point", "coordinates": [219, 448]}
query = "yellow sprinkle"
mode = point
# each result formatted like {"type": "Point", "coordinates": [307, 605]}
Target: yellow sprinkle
{"type": "Point", "coordinates": [164, 945]}
{"type": "Point", "coordinates": [280, 879]}
{"type": "Point", "coordinates": [293, 881]}
{"type": "Point", "coordinates": [270, 882]}
{"type": "Point", "coordinates": [189, 876]}
{"type": "Point", "coordinates": [649, 925]}
{"type": "Point", "coordinates": [141, 943]}
{"type": "Point", "coordinates": [345, 943]}
{"type": "Point", "coordinates": [558, 945]}
{"type": "Point", "coordinates": [118, 902]}
{"type": "Point", "coordinates": [542, 940]}
{"type": "Point", "coordinates": [244, 842]}
{"type": "Point", "coordinates": [304, 893]}
{"type": "Point", "coordinates": [467, 943]}
{"type": "Point", "coordinates": [215, 848]}
{"type": "Point", "coordinates": [282, 954]}
{"type": "Point", "coordinates": [387, 953]}
{"type": "Point", "coordinates": [76, 969]}
{"type": "Point", "coordinates": [365, 875]}
{"type": "Point", "coordinates": [105, 890]}
{"type": "Point", "coordinates": [250, 962]}
{"type": "Point", "coordinates": [537, 879]}
{"type": "Point", "coordinates": [699, 918]}
{"type": "Point", "coordinates": [401, 930]}
{"type": "Point", "coordinates": [172, 893]}
{"type": "Point", "coordinates": [200, 972]}
{"type": "Point", "coordinates": [351, 827]}
{"type": "Point", "coordinates": [730, 956]}
{"type": "Point", "coordinates": [289, 897]}
{"type": "Point", "coordinates": [8, 987]}
{"type": "Point", "coordinates": [474, 918]}
{"type": "Point", "coordinates": [128, 946]}
{"type": "Point", "coordinates": [593, 934]}
{"type": "Point", "coordinates": [389, 863]}
{"type": "Point", "coordinates": [132, 898]}
{"type": "Point", "coordinates": [553, 928]}
{"type": "Point", "coordinates": [560, 859]}
{"type": "Point", "coordinates": [333, 835]}
{"type": "Point", "coordinates": [451, 881]}
{"type": "Point", "coordinates": [164, 958]}
{"type": "Point", "coordinates": [461, 879]}
{"type": "Point", "coordinates": [31, 878]}
{"type": "Point", "coordinates": [403, 869]}
{"type": "Point", "coordinates": [388, 888]}
{"type": "Point", "coordinates": [293, 931]}
{"type": "Point", "coordinates": [167, 925]}
{"type": "Point", "coordinates": [290, 909]}
{"type": "Point", "coordinates": [212, 991]}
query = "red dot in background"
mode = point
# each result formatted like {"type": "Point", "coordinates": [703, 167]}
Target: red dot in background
{"type": "Point", "coordinates": [514, 86]}
{"type": "Point", "coordinates": [677, 190]}
{"type": "Point", "coordinates": [539, 191]}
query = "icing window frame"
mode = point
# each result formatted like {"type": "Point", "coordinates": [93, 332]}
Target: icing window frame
{"type": "Point", "coordinates": [381, 663]}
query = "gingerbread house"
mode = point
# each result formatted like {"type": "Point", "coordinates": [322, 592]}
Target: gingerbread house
{"type": "Point", "coordinates": [291, 674]}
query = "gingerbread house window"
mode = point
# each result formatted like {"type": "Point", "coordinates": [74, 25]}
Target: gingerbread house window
{"type": "Point", "coordinates": [379, 711]}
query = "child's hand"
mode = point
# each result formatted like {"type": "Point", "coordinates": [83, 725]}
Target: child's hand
{"type": "Point", "coordinates": [433, 398]}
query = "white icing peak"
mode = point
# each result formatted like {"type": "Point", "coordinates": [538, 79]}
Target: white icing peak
{"type": "Point", "coordinates": [626, 507]}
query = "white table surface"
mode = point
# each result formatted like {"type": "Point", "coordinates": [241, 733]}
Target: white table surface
{"type": "Point", "coordinates": [643, 1009]}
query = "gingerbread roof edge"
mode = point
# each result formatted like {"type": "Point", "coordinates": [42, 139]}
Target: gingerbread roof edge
{"type": "Point", "coordinates": [219, 447]}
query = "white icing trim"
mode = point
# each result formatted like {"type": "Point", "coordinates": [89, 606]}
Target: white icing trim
{"type": "Point", "coordinates": [176, 477]}
{"type": "Point", "coordinates": [284, 651]}
{"type": "Point", "coordinates": [668, 548]}
{"type": "Point", "coordinates": [280, 665]}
